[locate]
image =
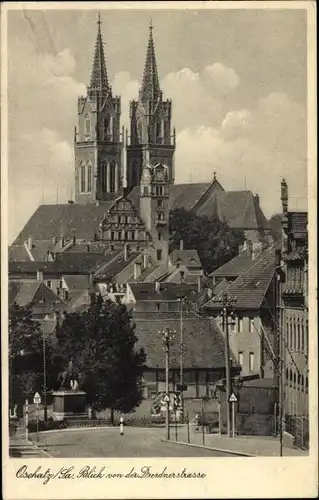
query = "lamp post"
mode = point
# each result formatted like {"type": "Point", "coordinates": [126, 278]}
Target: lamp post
{"type": "Point", "coordinates": [167, 337]}
{"type": "Point", "coordinates": [45, 412]}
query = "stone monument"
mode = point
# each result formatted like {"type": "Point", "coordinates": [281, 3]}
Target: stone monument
{"type": "Point", "coordinates": [69, 401]}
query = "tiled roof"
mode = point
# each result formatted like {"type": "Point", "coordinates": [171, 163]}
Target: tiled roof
{"type": "Point", "coordinates": [40, 249]}
{"type": "Point", "coordinates": [167, 291]}
{"type": "Point", "coordinates": [35, 293]}
{"type": "Point", "coordinates": [115, 266]}
{"type": "Point", "coordinates": [189, 258]}
{"type": "Point", "coordinates": [238, 208]}
{"type": "Point", "coordinates": [18, 253]}
{"type": "Point", "coordinates": [297, 224]}
{"type": "Point", "coordinates": [77, 281]}
{"type": "Point", "coordinates": [67, 220]}
{"type": "Point", "coordinates": [203, 344]}
{"type": "Point", "coordinates": [249, 288]}
{"type": "Point", "coordinates": [234, 267]}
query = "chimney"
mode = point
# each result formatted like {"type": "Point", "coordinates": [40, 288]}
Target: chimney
{"type": "Point", "coordinates": [145, 260]}
{"type": "Point", "coordinates": [157, 286]}
{"type": "Point", "coordinates": [284, 196]}
{"type": "Point", "coordinates": [181, 245]}
{"type": "Point", "coordinates": [256, 250]}
{"type": "Point", "coordinates": [74, 240]}
{"type": "Point", "coordinates": [39, 275]}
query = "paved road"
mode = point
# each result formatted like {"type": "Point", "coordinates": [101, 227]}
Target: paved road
{"type": "Point", "coordinates": [108, 442]}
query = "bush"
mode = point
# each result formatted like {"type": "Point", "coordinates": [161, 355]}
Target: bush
{"type": "Point", "coordinates": [49, 425]}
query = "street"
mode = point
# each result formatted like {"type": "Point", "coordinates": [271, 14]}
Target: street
{"type": "Point", "coordinates": [107, 442]}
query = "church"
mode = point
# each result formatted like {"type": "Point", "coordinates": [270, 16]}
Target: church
{"type": "Point", "coordinates": [124, 180]}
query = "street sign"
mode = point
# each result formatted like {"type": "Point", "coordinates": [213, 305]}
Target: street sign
{"type": "Point", "coordinates": [37, 399]}
{"type": "Point", "coordinates": [233, 398]}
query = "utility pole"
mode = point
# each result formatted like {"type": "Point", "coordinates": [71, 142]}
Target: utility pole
{"type": "Point", "coordinates": [167, 337]}
{"type": "Point", "coordinates": [227, 304]}
{"type": "Point", "coordinates": [45, 416]}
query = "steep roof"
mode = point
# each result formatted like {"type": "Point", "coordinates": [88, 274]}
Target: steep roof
{"type": "Point", "coordinates": [113, 267]}
{"type": "Point", "coordinates": [18, 253]}
{"type": "Point", "coordinates": [250, 288]}
{"type": "Point", "coordinates": [77, 281]}
{"type": "Point", "coordinates": [203, 343]}
{"type": "Point", "coordinates": [234, 267]}
{"type": "Point", "coordinates": [35, 293]}
{"type": "Point", "coordinates": [238, 208]}
{"type": "Point", "coordinates": [189, 258]}
{"type": "Point", "coordinates": [68, 220]}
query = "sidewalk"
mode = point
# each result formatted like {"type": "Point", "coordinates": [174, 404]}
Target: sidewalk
{"type": "Point", "coordinates": [264, 446]}
{"type": "Point", "coordinates": [20, 447]}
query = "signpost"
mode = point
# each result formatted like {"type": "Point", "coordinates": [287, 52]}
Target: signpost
{"type": "Point", "coordinates": [37, 401]}
{"type": "Point", "coordinates": [233, 399]}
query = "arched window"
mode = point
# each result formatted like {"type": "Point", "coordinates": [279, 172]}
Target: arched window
{"type": "Point", "coordinates": [107, 127]}
{"type": "Point", "coordinates": [159, 131]}
{"type": "Point", "coordinates": [82, 177]}
{"type": "Point", "coordinates": [134, 177]}
{"type": "Point", "coordinates": [112, 177]}
{"type": "Point", "coordinates": [89, 177]}
{"type": "Point", "coordinates": [87, 124]}
{"type": "Point", "coordinates": [104, 177]}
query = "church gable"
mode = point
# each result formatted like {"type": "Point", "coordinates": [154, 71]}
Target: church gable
{"type": "Point", "coordinates": [122, 223]}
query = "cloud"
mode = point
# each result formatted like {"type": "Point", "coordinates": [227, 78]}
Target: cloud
{"type": "Point", "coordinates": [253, 148]}
{"type": "Point", "coordinates": [221, 78]}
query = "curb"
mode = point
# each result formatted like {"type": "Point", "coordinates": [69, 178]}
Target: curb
{"type": "Point", "coordinates": [97, 427]}
{"type": "Point", "coordinates": [239, 454]}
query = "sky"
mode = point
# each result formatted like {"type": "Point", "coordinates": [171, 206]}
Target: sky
{"type": "Point", "coordinates": [237, 80]}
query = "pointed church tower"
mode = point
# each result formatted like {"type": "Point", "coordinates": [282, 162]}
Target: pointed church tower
{"type": "Point", "coordinates": [97, 138]}
{"type": "Point", "coordinates": [151, 135]}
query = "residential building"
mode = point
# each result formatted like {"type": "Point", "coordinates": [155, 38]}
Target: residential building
{"type": "Point", "coordinates": [294, 302]}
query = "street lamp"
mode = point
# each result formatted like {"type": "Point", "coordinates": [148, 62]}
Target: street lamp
{"type": "Point", "coordinates": [168, 335]}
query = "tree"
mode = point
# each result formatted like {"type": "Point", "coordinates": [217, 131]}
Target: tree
{"type": "Point", "coordinates": [25, 354]}
{"type": "Point", "coordinates": [215, 242]}
{"type": "Point", "coordinates": [101, 344]}
{"type": "Point", "coordinates": [275, 226]}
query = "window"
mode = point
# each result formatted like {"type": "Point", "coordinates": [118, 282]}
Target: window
{"type": "Point", "coordinates": [82, 178]}
{"type": "Point", "coordinates": [159, 203]}
{"type": "Point", "coordinates": [159, 190]}
{"type": "Point", "coordinates": [125, 235]}
{"type": "Point", "coordinates": [158, 306]}
{"type": "Point", "coordinates": [233, 322]}
{"type": "Point", "coordinates": [251, 325]}
{"type": "Point", "coordinates": [145, 190]}
{"type": "Point", "coordinates": [159, 254]}
{"type": "Point", "coordinates": [89, 181]}
{"type": "Point", "coordinates": [112, 235]}
{"type": "Point", "coordinates": [251, 361]}
{"type": "Point", "coordinates": [241, 358]}
{"type": "Point", "coordinates": [49, 284]}
{"type": "Point", "coordinates": [133, 235]}
{"type": "Point", "coordinates": [159, 236]}
{"type": "Point", "coordinates": [87, 125]}
{"type": "Point", "coordinates": [298, 336]}
{"type": "Point", "coordinates": [61, 284]}
{"type": "Point", "coordinates": [239, 324]}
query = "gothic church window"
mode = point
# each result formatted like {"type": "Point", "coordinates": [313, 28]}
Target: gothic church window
{"type": "Point", "coordinates": [82, 178]}
{"type": "Point", "coordinates": [159, 131]}
{"type": "Point", "coordinates": [87, 124]}
{"type": "Point", "coordinates": [112, 177]}
{"type": "Point", "coordinates": [89, 177]}
{"type": "Point", "coordinates": [139, 131]}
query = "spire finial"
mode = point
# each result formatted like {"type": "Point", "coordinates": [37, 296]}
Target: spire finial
{"type": "Point", "coordinates": [151, 25]}
{"type": "Point", "coordinates": [99, 22]}
{"type": "Point", "coordinates": [214, 175]}
{"type": "Point", "coordinates": [99, 79]}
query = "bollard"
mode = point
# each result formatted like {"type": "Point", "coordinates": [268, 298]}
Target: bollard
{"type": "Point", "coordinates": [197, 420]}
{"type": "Point", "coordinates": [121, 426]}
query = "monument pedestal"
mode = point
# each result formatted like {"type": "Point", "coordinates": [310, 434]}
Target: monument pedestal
{"type": "Point", "coordinates": [69, 404]}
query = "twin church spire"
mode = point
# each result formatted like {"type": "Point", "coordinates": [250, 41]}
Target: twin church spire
{"type": "Point", "coordinates": [107, 158]}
